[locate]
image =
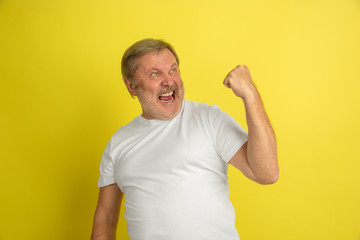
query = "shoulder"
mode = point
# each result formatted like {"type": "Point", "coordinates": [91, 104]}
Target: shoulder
{"type": "Point", "coordinates": [127, 129]}
{"type": "Point", "coordinates": [202, 109]}
{"type": "Point", "coordinates": [125, 133]}
{"type": "Point", "coordinates": [199, 107]}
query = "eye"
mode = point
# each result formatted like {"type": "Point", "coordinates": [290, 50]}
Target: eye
{"type": "Point", "coordinates": [154, 74]}
{"type": "Point", "coordinates": [173, 70]}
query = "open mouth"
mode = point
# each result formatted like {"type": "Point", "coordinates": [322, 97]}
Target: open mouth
{"type": "Point", "coordinates": [167, 97]}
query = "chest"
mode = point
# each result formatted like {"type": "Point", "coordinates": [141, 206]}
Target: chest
{"type": "Point", "coordinates": [167, 155]}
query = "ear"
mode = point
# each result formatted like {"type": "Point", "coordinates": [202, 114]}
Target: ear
{"type": "Point", "coordinates": [130, 86]}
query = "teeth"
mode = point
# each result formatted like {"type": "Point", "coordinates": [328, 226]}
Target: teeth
{"type": "Point", "coordinates": [166, 94]}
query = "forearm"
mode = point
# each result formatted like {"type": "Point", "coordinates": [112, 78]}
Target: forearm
{"type": "Point", "coordinates": [259, 158]}
{"type": "Point", "coordinates": [261, 148]}
{"type": "Point", "coordinates": [104, 228]}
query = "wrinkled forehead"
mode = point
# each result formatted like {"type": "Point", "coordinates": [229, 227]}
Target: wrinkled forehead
{"type": "Point", "coordinates": [162, 60]}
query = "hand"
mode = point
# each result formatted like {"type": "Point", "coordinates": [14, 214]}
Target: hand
{"type": "Point", "coordinates": [239, 80]}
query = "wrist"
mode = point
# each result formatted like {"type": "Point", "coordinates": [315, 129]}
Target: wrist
{"type": "Point", "coordinates": [253, 98]}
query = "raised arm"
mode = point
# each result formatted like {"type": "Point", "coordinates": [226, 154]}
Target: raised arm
{"type": "Point", "coordinates": [107, 213]}
{"type": "Point", "coordinates": [257, 158]}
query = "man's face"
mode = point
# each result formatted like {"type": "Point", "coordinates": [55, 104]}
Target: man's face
{"type": "Point", "coordinates": [159, 89]}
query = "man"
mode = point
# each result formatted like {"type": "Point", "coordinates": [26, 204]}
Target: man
{"type": "Point", "coordinates": [171, 161]}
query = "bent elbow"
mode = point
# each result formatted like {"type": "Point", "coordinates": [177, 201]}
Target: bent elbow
{"type": "Point", "coordinates": [268, 181]}
{"type": "Point", "coordinates": [271, 179]}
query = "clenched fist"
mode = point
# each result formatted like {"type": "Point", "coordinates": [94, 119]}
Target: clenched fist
{"type": "Point", "coordinates": [239, 80]}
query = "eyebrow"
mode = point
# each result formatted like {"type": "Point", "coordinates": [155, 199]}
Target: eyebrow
{"type": "Point", "coordinates": [156, 69]}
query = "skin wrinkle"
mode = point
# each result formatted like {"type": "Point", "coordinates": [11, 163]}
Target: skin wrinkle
{"type": "Point", "coordinates": [149, 87]}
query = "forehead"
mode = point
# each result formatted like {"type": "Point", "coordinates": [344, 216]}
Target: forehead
{"type": "Point", "coordinates": [162, 59]}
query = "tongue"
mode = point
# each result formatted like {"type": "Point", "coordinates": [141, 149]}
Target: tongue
{"type": "Point", "coordinates": [165, 98]}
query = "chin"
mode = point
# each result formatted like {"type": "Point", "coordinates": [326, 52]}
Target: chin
{"type": "Point", "coordinates": [168, 115]}
{"type": "Point", "coordinates": [160, 109]}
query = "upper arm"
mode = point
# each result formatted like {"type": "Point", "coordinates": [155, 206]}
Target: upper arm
{"type": "Point", "coordinates": [240, 161]}
{"type": "Point", "coordinates": [107, 211]}
{"type": "Point", "coordinates": [109, 200]}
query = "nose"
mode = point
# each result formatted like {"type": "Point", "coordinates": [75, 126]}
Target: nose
{"type": "Point", "coordinates": [166, 81]}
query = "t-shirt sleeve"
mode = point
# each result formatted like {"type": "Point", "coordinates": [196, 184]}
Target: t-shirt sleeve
{"type": "Point", "coordinates": [228, 135]}
{"type": "Point", "coordinates": [107, 170]}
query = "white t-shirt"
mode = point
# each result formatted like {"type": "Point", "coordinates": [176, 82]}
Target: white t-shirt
{"type": "Point", "coordinates": [174, 174]}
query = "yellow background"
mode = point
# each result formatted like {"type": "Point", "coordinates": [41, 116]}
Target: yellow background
{"type": "Point", "coordinates": [62, 97]}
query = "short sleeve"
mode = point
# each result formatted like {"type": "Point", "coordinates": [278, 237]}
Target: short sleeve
{"type": "Point", "coordinates": [107, 170]}
{"type": "Point", "coordinates": [228, 135]}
